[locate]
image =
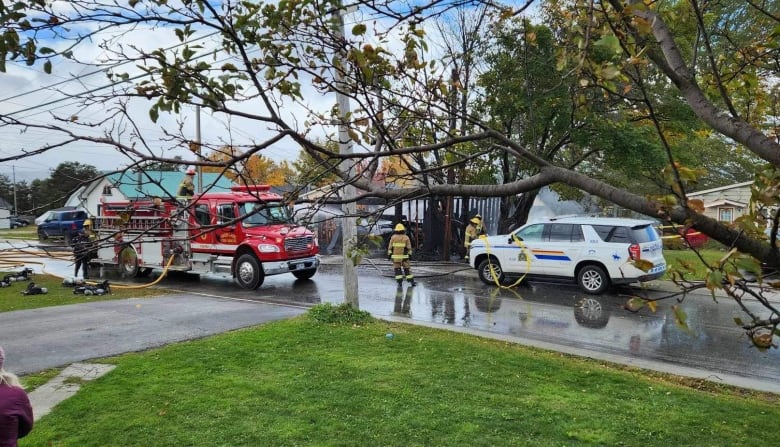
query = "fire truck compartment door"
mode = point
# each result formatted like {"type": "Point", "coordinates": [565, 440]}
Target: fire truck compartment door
{"type": "Point", "coordinates": [149, 253]}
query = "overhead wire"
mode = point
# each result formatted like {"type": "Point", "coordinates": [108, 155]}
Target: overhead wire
{"type": "Point", "coordinates": [98, 71]}
{"type": "Point", "coordinates": [80, 77]}
{"type": "Point", "coordinates": [70, 100]}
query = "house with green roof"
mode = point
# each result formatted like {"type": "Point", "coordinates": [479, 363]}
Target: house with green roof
{"type": "Point", "coordinates": [131, 185]}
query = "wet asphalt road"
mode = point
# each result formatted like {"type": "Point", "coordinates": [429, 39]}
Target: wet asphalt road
{"type": "Point", "coordinates": [557, 315]}
{"type": "Point", "coordinates": [552, 313]}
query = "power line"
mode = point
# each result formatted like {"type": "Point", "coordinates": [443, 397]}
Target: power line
{"type": "Point", "coordinates": [98, 71]}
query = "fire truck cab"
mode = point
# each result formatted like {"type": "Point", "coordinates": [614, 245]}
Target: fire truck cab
{"type": "Point", "coordinates": [248, 233]}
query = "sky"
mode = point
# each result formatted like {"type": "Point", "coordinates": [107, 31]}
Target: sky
{"type": "Point", "coordinates": [29, 94]}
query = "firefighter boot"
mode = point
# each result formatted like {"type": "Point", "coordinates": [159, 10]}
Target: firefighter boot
{"type": "Point", "coordinates": [409, 277]}
{"type": "Point", "coordinates": [399, 277]}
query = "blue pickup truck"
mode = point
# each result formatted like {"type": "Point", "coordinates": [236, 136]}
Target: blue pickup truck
{"type": "Point", "coordinates": [62, 224]}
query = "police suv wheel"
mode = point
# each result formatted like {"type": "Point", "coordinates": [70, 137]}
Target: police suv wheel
{"type": "Point", "coordinates": [248, 273]}
{"type": "Point", "coordinates": [593, 279]}
{"type": "Point", "coordinates": [489, 270]}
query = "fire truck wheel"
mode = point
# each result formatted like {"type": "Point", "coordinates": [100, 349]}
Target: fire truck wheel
{"type": "Point", "coordinates": [304, 274]}
{"type": "Point", "coordinates": [128, 263]}
{"type": "Point", "coordinates": [248, 272]}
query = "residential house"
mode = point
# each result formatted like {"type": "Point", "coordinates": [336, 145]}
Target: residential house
{"type": "Point", "coordinates": [725, 203]}
{"type": "Point", "coordinates": [136, 185]}
{"type": "Point", "coordinates": [5, 214]}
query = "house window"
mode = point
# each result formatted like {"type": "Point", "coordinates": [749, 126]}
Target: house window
{"type": "Point", "coordinates": [725, 214]}
{"type": "Point", "coordinates": [107, 190]}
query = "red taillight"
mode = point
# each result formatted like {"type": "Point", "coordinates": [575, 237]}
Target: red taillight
{"type": "Point", "coordinates": [73, 226]}
{"type": "Point", "coordinates": [634, 252]}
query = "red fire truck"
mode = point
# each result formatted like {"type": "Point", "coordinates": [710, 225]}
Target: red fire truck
{"type": "Point", "coordinates": [248, 233]}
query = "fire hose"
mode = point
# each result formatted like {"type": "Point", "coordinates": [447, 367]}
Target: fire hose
{"type": "Point", "coordinates": [11, 260]}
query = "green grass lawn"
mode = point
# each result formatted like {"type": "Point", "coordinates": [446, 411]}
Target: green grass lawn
{"type": "Point", "coordinates": [298, 382]}
{"type": "Point", "coordinates": [11, 298]}
{"type": "Point", "coordinates": [675, 259]}
{"type": "Point", "coordinates": [28, 232]}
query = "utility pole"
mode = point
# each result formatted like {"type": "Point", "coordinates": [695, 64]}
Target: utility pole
{"type": "Point", "coordinates": [347, 167]}
{"type": "Point", "coordinates": [13, 175]}
{"type": "Point", "coordinates": [197, 142]}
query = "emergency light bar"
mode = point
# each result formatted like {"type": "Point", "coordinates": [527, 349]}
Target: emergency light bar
{"type": "Point", "coordinates": [250, 188]}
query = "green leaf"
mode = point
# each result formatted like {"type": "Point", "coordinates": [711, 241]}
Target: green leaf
{"type": "Point", "coordinates": [610, 72]}
{"type": "Point", "coordinates": [47, 67]}
{"type": "Point", "coordinates": [609, 43]}
{"type": "Point", "coordinates": [359, 29]}
{"type": "Point", "coordinates": [714, 279]}
{"type": "Point", "coordinates": [154, 114]}
{"type": "Point", "coordinates": [680, 317]}
{"type": "Point", "coordinates": [643, 264]}
{"type": "Point", "coordinates": [634, 304]}
{"type": "Point", "coordinates": [738, 321]}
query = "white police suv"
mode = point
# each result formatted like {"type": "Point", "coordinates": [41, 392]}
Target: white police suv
{"type": "Point", "coordinates": [595, 252]}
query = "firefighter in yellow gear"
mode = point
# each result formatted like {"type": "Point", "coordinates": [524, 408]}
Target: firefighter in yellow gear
{"type": "Point", "coordinates": [480, 225]}
{"type": "Point", "coordinates": [473, 230]}
{"type": "Point", "coordinates": [399, 250]}
{"type": "Point", "coordinates": [187, 185]}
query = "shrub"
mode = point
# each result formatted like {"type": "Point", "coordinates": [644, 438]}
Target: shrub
{"type": "Point", "coordinates": [341, 314]}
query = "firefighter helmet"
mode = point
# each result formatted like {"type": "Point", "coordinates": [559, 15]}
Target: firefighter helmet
{"type": "Point", "coordinates": [474, 220]}
{"type": "Point", "coordinates": [478, 216]}
{"type": "Point", "coordinates": [190, 171]}
{"type": "Point", "coordinates": [87, 223]}
{"type": "Point", "coordinates": [399, 228]}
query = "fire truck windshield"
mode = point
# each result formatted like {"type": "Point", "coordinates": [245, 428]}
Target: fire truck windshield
{"type": "Point", "coordinates": [263, 213]}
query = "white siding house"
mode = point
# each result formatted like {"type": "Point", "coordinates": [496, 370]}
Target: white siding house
{"type": "Point", "coordinates": [725, 203]}
{"type": "Point", "coordinates": [130, 186]}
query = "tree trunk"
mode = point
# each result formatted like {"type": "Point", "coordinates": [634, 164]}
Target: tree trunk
{"type": "Point", "coordinates": [515, 210]}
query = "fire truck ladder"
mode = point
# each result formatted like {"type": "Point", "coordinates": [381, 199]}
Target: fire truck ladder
{"type": "Point", "coordinates": [151, 224]}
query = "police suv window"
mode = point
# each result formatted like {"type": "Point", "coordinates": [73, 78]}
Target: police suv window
{"type": "Point", "coordinates": [532, 233]}
{"type": "Point", "coordinates": [644, 233]}
{"type": "Point", "coordinates": [560, 232]}
{"type": "Point", "coordinates": [603, 231]}
{"type": "Point", "coordinates": [620, 235]}
{"type": "Point", "coordinates": [576, 233]}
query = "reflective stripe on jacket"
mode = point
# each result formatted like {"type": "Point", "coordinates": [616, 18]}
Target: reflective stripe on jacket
{"type": "Point", "coordinates": [399, 247]}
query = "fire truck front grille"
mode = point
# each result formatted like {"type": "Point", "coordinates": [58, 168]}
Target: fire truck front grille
{"type": "Point", "coordinates": [298, 243]}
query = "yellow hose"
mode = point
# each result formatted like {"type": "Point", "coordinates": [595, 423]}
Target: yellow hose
{"type": "Point", "coordinates": [159, 278]}
{"type": "Point", "coordinates": [9, 260]}
{"type": "Point", "coordinates": [523, 249]}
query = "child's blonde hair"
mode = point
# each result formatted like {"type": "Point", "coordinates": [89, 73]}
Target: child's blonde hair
{"type": "Point", "coordinates": [9, 379]}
